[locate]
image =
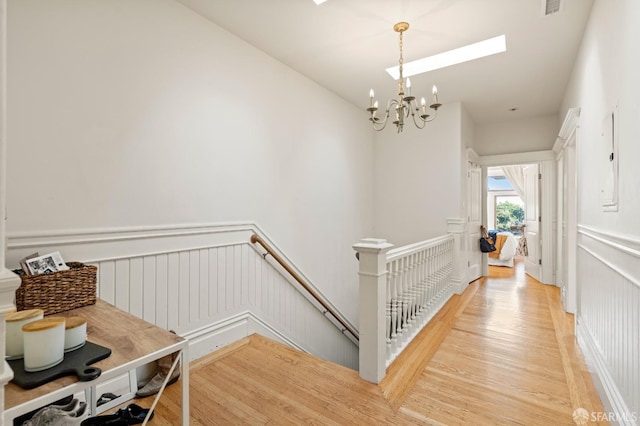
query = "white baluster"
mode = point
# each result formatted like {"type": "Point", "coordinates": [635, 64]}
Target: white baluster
{"type": "Point", "coordinates": [394, 306]}
{"type": "Point", "coordinates": [388, 302]}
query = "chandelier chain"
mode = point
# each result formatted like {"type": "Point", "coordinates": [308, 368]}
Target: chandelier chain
{"type": "Point", "coordinates": [401, 60]}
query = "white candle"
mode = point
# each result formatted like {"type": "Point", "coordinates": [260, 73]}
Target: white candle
{"type": "Point", "coordinates": [435, 94]}
{"type": "Point", "coordinates": [408, 87]}
{"type": "Point", "coordinates": [14, 323]}
{"type": "Point", "coordinates": [423, 102]}
{"type": "Point", "coordinates": [371, 96]}
{"type": "Point", "coordinates": [75, 334]}
{"type": "Point", "coordinates": [43, 343]}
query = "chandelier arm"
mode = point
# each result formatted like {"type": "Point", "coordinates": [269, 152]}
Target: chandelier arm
{"type": "Point", "coordinates": [419, 124]}
{"type": "Point", "coordinates": [383, 122]}
{"type": "Point", "coordinates": [416, 122]}
{"type": "Point", "coordinates": [432, 117]}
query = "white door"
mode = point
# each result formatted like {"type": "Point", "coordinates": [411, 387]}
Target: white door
{"type": "Point", "coordinates": [531, 221]}
{"type": "Point", "coordinates": [474, 213]}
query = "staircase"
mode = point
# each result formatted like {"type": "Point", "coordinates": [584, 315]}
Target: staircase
{"type": "Point", "coordinates": [502, 353]}
{"type": "Point", "coordinates": [257, 380]}
{"type": "Point", "coordinates": [265, 381]}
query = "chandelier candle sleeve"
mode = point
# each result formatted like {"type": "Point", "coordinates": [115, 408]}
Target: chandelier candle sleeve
{"type": "Point", "coordinates": [435, 94]}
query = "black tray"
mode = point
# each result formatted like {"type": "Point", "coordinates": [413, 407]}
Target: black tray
{"type": "Point", "coordinates": [75, 362]}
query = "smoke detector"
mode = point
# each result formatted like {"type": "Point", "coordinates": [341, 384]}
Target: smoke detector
{"type": "Point", "coordinates": [550, 7]}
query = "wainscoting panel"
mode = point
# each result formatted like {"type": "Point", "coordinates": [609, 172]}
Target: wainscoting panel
{"type": "Point", "coordinates": [608, 316]}
{"type": "Point", "coordinates": [208, 283]}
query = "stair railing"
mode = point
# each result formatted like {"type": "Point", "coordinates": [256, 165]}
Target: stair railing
{"type": "Point", "coordinates": [401, 290]}
{"type": "Point", "coordinates": [326, 306]}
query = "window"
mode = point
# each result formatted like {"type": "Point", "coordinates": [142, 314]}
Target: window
{"type": "Point", "coordinates": [509, 212]}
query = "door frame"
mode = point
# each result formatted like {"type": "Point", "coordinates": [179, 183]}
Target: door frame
{"type": "Point", "coordinates": [532, 213]}
{"type": "Point", "coordinates": [547, 167]}
{"type": "Point", "coordinates": [566, 149]}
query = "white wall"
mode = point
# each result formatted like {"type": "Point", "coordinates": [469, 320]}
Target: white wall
{"type": "Point", "coordinates": [128, 114]}
{"type": "Point", "coordinates": [524, 135]}
{"type": "Point", "coordinates": [606, 73]}
{"type": "Point", "coordinates": [418, 178]}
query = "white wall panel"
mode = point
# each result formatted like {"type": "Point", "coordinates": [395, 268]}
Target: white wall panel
{"type": "Point", "coordinates": [162, 291]}
{"type": "Point", "coordinates": [122, 288]}
{"type": "Point", "coordinates": [136, 280]}
{"type": "Point", "coordinates": [173, 272]}
{"type": "Point", "coordinates": [608, 314]}
{"type": "Point", "coordinates": [149, 280]}
{"type": "Point", "coordinates": [208, 292]}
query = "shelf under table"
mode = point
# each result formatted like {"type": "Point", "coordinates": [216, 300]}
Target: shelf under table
{"type": "Point", "coordinates": [133, 342]}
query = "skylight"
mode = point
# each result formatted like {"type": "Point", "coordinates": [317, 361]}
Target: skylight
{"type": "Point", "coordinates": [452, 57]}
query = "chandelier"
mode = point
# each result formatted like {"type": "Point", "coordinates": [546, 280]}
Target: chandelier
{"type": "Point", "coordinates": [405, 104]}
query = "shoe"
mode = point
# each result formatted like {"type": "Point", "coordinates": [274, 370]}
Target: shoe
{"type": "Point", "coordinates": [130, 415]}
{"type": "Point", "coordinates": [66, 403]}
{"type": "Point", "coordinates": [106, 397]}
{"type": "Point", "coordinates": [72, 414]}
{"type": "Point", "coordinates": [134, 414]}
{"type": "Point", "coordinates": [154, 385]}
{"type": "Point", "coordinates": [72, 406]}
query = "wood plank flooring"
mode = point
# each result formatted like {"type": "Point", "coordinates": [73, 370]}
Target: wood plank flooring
{"type": "Point", "coordinates": [502, 353]}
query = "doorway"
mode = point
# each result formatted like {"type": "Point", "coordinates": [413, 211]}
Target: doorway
{"type": "Point", "coordinates": [512, 212]}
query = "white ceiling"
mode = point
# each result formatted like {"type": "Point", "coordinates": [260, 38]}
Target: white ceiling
{"type": "Point", "coordinates": [345, 46]}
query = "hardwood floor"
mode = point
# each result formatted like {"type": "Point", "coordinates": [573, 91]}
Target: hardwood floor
{"type": "Point", "coordinates": [501, 353]}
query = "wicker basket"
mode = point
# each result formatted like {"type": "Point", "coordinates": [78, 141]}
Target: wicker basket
{"type": "Point", "coordinates": [58, 291]}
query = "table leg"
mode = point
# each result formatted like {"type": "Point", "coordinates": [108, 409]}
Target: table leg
{"type": "Point", "coordinates": [184, 358]}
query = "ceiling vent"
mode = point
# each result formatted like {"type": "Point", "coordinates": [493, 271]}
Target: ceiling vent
{"type": "Point", "coordinates": [549, 7]}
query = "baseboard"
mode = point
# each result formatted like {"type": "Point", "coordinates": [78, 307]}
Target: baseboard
{"type": "Point", "coordinates": [459, 285]}
{"type": "Point", "coordinates": [212, 337]}
{"type": "Point", "coordinates": [611, 398]}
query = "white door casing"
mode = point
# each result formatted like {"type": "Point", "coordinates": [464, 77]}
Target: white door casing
{"type": "Point", "coordinates": [570, 234]}
{"type": "Point", "coordinates": [474, 218]}
{"type": "Point", "coordinates": [531, 220]}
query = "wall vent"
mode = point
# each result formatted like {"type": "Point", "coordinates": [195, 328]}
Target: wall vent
{"type": "Point", "coordinates": [549, 7]}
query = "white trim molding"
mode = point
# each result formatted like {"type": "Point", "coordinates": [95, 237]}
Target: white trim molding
{"type": "Point", "coordinates": [517, 158]}
{"type": "Point", "coordinates": [217, 335]}
{"type": "Point", "coordinates": [548, 212]}
{"type": "Point", "coordinates": [608, 318]}
{"type": "Point", "coordinates": [569, 125]}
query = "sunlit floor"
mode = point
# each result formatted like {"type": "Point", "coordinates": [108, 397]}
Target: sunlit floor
{"type": "Point", "coordinates": [502, 353]}
{"type": "Point", "coordinates": [517, 272]}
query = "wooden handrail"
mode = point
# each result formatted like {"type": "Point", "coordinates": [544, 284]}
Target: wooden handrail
{"type": "Point", "coordinates": [256, 239]}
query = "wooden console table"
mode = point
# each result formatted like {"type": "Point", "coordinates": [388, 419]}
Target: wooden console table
{"type": "Point", "coordinates": [133, 342]}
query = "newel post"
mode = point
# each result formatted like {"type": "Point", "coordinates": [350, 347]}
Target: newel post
{"type": "Point", "coordinates": [373, 296]}
{"type": "Point", "coordinates": [458, 228]}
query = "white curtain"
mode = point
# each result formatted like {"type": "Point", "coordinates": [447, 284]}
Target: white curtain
{"type": "Point", "coordinates": [515, 174]}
